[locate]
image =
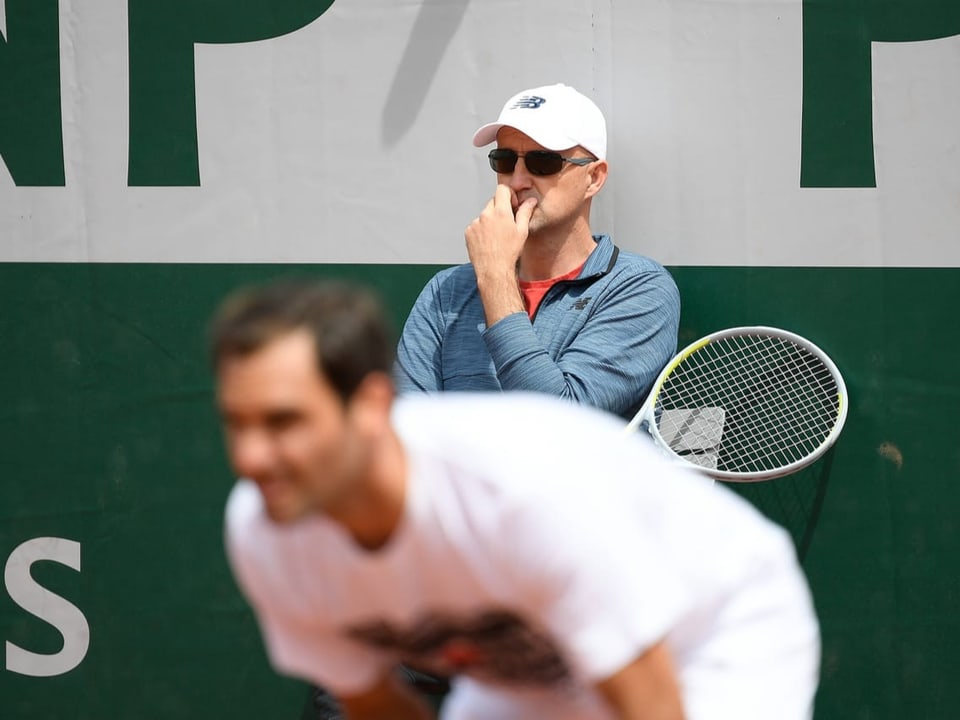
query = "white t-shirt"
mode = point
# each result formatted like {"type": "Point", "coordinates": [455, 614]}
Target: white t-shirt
{"type": "Point", "coordinates": [540, 551]}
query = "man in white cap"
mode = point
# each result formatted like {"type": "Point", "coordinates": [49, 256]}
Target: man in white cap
{"type": "Point", "coordinates": [544, 305]}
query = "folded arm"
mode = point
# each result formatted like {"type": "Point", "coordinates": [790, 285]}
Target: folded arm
{"type": "Point", "coordinates": [614, 358]}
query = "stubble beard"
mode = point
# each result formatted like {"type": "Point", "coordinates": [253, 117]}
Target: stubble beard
{"type": "Point", "coordinates": [538, 222]}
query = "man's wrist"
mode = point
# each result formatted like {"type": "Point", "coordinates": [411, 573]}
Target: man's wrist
{"type": "Point", "coordinates": [500, 295]}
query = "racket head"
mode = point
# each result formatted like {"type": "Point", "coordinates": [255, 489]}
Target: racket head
{"type": "Point", "coordinates": [747, 404]}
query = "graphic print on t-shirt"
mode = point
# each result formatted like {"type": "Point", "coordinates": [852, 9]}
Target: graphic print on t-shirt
{"type": "Point", "coordinates": [494, 645]}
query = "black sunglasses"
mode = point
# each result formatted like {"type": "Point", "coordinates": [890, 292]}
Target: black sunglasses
{"type": "Point", "coordinates": [538, 162]}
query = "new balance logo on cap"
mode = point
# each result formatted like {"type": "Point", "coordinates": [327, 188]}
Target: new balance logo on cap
{"type": "Point", "coordinates": [528, 102]}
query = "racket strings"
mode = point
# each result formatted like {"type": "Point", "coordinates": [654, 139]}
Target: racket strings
{"type": "Point", "coordinates": [753, 403]}
{"type": "Point", "coordinates": [775, 441]}
{"type": "Point", "coordinates": [784, 434]}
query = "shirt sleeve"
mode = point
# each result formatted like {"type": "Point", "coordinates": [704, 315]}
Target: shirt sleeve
{"type": "Point", "coordinates": [418, 364]}
{"type": "Point", "coordinates": [615, 357]}
{"type": "Point", "coordinates": [593, 579]}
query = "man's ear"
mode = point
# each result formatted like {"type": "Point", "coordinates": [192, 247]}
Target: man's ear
{"type": "Point", "coordinates": [596, 177]}
{"type": "Point", "coordinates": [371, 403]}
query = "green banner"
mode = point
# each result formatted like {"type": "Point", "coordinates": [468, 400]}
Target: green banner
{"type": "Point", "coordinates": [111, 444]}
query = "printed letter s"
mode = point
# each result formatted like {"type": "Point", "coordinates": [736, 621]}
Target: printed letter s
{"type": "Point", "coordinates": [47, 606]}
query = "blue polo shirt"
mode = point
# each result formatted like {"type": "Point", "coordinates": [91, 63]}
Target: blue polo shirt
{"type": "Point", "coordinates": [600, 339]}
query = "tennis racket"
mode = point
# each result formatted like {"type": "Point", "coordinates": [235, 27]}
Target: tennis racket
{"type": "Point", "coordinates": [746, 404]}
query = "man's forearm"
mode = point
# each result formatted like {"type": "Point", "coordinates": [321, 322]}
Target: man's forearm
{"type": "Point", "coordinates": [391, 700]}
{"type": "Point", "coordinates": [646, 689]}
{"type": "Point", "coordinates": [414, 709]}
{"type": "Point", "coordinates": [500, 296]}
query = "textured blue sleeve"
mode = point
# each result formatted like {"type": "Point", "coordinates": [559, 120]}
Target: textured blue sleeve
{"type": "Point", "coordinates": [418, 364]}
{"type": "Point", "coordinates": [611, 361]}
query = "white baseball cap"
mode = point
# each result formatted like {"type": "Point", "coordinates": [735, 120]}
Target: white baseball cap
{"type": "Point", "coordinates": [555, 116]}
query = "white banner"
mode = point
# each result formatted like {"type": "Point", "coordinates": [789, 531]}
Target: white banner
{"type": "Point", "coordinates": [348, 139]}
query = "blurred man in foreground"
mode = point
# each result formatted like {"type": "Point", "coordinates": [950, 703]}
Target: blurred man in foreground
{"type": "Point", "coordinates": [554, 566]}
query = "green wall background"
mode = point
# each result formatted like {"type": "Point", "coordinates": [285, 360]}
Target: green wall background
{"type": "Point", "coordinates": [110, 439]}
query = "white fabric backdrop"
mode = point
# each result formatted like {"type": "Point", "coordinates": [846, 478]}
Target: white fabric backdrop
{"type": "Point", "coordinates": [349, 140]}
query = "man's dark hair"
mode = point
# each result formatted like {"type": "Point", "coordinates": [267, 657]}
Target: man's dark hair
{"type": "Point", "coordinates": [351, 334]}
